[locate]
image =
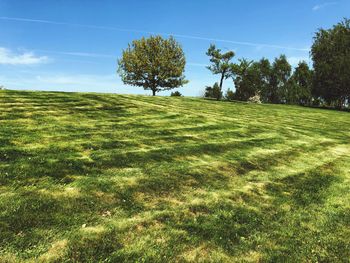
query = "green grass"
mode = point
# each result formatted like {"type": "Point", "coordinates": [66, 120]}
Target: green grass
{"type": "Point", "coordinates": [115, 178]}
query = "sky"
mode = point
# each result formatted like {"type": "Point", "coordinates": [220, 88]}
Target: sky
{"type": "Point", "coordinates": [66, 45]}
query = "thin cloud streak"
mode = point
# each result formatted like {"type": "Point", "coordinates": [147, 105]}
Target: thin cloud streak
{"type": "Point", "coordinates": [79, 54]}
{"type": "Point", "coordinates": [320, 6]}
{"type": "Point", "coordinates": [99, 55]}
{"type": "Point", "coordinates": [252, 44]}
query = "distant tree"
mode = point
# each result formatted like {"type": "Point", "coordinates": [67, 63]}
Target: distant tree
{"type": "Point", "coordinates": [220, 63]}
{"type": "Point", "coordinates": [331, 62]}
{"type": "Point", "coordinates": [153, 63]}
{"type": "Point", "coordinates": [280, 74]}
{"type": "Point", "coordinates": [266, 91]}
{"type": "Point", "coordinates": [252, 78]}
{"type": "Point", "coordinates": [213, 92]}
{"type": "Point", "coordinates": [292, 93]}
{"type": "Point", "coordinates": [300, 85]}
{"type": "Point", "coordinates": [246, 79]}
{"type": "Point", "coordinates": [176, 94]}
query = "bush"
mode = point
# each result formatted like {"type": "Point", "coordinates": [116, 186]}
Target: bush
{"type": "Point", "coordinates": [176, 94]}
{"type": "Point", "coordinates": [230, 95]}
{"type": "Point", "coordinates": [213, 92]}
{"type": "Point", "coordinates": [316, 102]}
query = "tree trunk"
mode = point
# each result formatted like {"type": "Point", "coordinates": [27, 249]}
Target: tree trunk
{"type": "Point", "coordinates": [221, 80]}
{"type": "Point", "coordinates": [153, 92]}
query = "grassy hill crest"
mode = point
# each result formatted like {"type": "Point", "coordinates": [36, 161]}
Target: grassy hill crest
{"type": "Point", "coordinates": [94, 177]}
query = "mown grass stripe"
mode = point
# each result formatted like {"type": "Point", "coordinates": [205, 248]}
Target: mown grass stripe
{"type": "Point", "coordinates": [184, 179]}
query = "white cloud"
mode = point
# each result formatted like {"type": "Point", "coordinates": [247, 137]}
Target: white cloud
{"type": "Point", "coordinates": [320, 6]}
{"type": "Point", "coordinates": [8, 57]}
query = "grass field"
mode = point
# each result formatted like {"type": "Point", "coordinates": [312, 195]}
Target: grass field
{"type": "Point", "coordinates": [90, 177]}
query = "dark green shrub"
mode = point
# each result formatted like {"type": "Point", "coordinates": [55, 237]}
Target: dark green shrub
{"type": "Point", "coordinates": [176, 94]}
{"type": "Point", "coordinates": [213, 92]}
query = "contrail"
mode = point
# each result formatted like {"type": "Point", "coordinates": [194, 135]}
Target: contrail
{"type": "Point", "coordinates": [99, 55]}
{"type": "Point", "coordinates": [252, 44]}
{"type": "Point", "coordinates": [79, 54]}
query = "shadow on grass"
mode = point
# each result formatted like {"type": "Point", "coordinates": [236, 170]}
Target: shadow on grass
{"type": "Point", "coordinates": [297, 214]}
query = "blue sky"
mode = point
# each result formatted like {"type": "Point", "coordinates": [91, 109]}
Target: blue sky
{"type": "Point", "coordinates": [74, 45]}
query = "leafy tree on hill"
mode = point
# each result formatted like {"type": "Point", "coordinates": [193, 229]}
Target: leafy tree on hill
{"type": "Point", "coordinates": [221, 63]}
{"type": "Point", "coordinates": [280, 74]}
{"type": "Point", "coordinates": [331, 61]}
{"type": "Point", "coordinates": [300, 85]}
{"type": "Point", "coordinates": [252, 78]}
{"type": "Point", "coordinates": [246, 78]}
{"type": "Point", "coordinates": [265, 79]}
{"type": "Point", "coordinates": [153, 63]}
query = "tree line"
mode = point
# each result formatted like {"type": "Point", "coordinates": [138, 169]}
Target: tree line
{"type": "Point", "coordinates": [328, 83]}
{"type": "Point", "coordinates": [158, 64]}
{"type": "Point", "coordinates": [261, 81]}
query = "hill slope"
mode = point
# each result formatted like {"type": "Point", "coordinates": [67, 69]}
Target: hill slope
{"type": "Point", "coordinates": [95, 177]}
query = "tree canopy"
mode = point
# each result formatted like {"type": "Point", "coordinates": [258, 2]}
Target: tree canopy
{"type": "Point", "coordinates": [153, 63]}
{"type": "Point", "coordinates": [331, 61]}
{"type": "Point", "coordinates": [244, 77]}
{"type": "Point", "coordinates": [300, 85]}
{"type": "Point", "coordinates": [280, 74]}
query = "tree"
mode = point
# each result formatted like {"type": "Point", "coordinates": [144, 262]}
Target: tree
{"type": "Point", "coordinates": [220, 63]}
{"type": "Point", "coordinates": [301, 85]}
{"type": "Point", "coordinates": [280, 74]}
{"type": "Point", "coordinates": [245, 77]}
{"type": "Point", "coordinates": [330, 52]}
{"type": "Point", "coordinates": [153, 63]}
{"type": "Point", "coordinates": [265, 80]}
{"type": "Point", "coordinates": [251, 79]}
